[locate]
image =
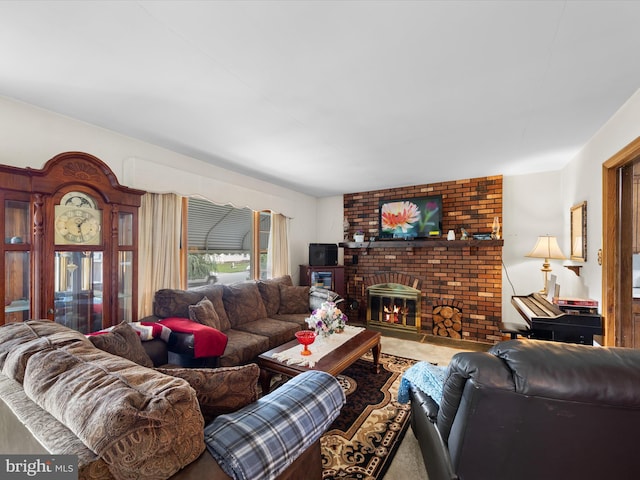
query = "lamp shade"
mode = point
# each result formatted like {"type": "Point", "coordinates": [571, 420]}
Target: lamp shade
{"type": "Point", "coordinates": [546, 247]}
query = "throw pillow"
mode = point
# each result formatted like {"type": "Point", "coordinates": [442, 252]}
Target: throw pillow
{"type": "Point", "coordinates": [270, 292]}
{"type": "Point", "coordinates": [294, 299]}
{"type": "Point", "coordinates": [243, 303]}
{"type": "Point", "coordinates": [220, 390]}
{"type": "Point", "coordinates": [175, 303]}
{"type": "Point", "coordinates": [124, 342]}
{"type": "Point", "coordinates": [204, 313]}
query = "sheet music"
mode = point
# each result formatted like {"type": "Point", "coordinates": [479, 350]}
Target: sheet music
{"type": "Point", "coordinates": [551, 288]}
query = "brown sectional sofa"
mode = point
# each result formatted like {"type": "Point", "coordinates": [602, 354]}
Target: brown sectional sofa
{"type": "Point", "coordinates": [61, 394]}
{"type": "Point", "coordinates": [254, 315]}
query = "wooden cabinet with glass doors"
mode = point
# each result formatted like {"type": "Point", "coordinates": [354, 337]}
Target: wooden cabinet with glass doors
{"type": "Point", "coordinates": [16, 256]}
{"type": "Point", "coordinates": [70, 250]}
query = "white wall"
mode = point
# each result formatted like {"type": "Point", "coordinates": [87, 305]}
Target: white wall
{"type": "Point", "coordinates": [330, 222]}
{"type": "Point", "coordinates": [30, 136]}
{"type": "Point", "coordinates": [532, 206]}
{"type": "Point", "coordinates": [582, 180]}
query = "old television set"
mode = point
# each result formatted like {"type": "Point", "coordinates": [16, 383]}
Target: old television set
{"type": "Point", "coordinates": [409, 218]}
{"type": "Point", "coordinates": [323, 254]}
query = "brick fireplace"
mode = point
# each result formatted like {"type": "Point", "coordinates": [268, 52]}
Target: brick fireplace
{"type": "Point", "coordinates": [464, 273]}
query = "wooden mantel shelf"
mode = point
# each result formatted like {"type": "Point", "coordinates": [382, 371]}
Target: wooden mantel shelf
{"type": "Point", "coordinates": [426, 243]}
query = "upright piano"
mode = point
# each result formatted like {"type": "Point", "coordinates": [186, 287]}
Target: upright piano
{"type": "Point", "coordinates": [546, 321]}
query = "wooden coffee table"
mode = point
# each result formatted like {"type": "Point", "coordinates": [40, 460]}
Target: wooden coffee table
{"type": "Point", "coordinates": [334, 362]}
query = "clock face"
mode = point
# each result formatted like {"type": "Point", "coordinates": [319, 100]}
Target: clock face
{"type": "Point", "coordinates": [78, 226]}
{"type": "Point", "coordinates": [78, 221]}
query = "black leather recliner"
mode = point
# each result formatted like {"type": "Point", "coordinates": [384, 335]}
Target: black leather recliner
{"type": "Point", "coordinates": [530, 409]}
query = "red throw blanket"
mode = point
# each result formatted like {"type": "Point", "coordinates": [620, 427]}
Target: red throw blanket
{"type": "Point", "coordinates": [207, 341]}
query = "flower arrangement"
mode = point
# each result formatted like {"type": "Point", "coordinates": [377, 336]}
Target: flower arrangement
{"type": "Point", "coordinates": [327, 319]}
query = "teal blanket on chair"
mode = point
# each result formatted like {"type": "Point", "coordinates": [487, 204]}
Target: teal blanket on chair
{"type": "Point", "coordinates": [427, 377]}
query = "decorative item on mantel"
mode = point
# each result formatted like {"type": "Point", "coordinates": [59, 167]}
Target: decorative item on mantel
{"type": "Point", "coordinates": [345, 229]}
{"type": "Point", "coordinates": [495, 229]}
{"type": "Point", "coordinates": [327, 320]}
{"type": "Point", "coordinates": [358, 237]}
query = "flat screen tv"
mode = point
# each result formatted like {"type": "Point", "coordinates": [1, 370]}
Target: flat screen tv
{"type": "Point", "coordinates": [409, 218]}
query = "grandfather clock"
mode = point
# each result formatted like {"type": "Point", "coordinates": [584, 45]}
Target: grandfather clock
{"type": "Point", "coordinates": [82, 249]}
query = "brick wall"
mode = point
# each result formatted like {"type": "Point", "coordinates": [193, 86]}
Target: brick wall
{"type": "Point", "coordinates": [469, 273]}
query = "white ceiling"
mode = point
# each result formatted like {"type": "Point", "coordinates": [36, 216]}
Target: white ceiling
{"type": "Point", "coordinates": [331, 97]}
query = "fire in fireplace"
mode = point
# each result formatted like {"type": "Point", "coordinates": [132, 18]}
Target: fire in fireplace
{"type": "Point", "coordinates": [394, 306]}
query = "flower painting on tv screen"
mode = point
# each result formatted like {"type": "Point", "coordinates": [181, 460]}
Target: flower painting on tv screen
{"type": "Point", "coordinates": [410, 218]}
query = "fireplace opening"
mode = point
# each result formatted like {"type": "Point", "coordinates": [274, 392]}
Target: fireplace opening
{"type": "Point", "coordinates": [393, 306]}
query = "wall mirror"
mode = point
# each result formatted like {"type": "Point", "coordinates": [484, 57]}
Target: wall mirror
{"type": "Point", "coordinates": [579, 232]}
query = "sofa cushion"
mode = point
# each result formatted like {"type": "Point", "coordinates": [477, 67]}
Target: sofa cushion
{"type": "Point", "coordinates": [243, 303]}
{"type": "Point", "coordinates": [270, 292]}
{"type": "Point", "coordinates": [204, 313]}
{"type": "Point", "coordinates": [243, 347]}
{"type": "Point", "coordinates": [175, 303]}
{"type": "Point", "coordinates": [277, 331]}
{"type": "Point", "coordinates": [20, 340]}
{"type": "Point", "coordinates": [123, 341]}
{"type": "Point", "coordinates": [142, 423]}
{"type": "Point", "coordinates": [16, 360]}
{"type": "Point", "coordinates": [298, 318]}
{"type": "Point", "coordinates": [49, 432]}
{"type": "Point", "coordinates": [220, 390]}
{"type": "Point", "coordinates": [293, 299]}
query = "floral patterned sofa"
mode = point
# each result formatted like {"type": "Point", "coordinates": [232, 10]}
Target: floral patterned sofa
{"type": "Point", "coordinates": [255, 316]}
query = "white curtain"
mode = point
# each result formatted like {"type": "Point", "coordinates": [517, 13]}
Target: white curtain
{"type": "Point", "coordinates": [278, 256]}
{"type": "Point", "coordinates": [160, 231]}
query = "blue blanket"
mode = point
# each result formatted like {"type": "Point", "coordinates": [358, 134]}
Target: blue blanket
{"type": "Point", "coordinates": [262, 439]}
{"type": "Point", "coordinates": [427, 377]}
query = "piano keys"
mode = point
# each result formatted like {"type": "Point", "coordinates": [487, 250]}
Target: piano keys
{"type": "Point", "coordinates": [545, 321]}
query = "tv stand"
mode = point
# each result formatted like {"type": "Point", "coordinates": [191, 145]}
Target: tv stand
{"type": "Point", "coordinates": [329, 276]}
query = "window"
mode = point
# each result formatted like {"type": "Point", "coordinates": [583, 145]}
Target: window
{"type": "Point", "coordinates": [224, 242]}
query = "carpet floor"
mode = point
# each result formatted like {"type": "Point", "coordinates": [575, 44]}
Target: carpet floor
{"type": "Point", "coordinates": [362, 441]}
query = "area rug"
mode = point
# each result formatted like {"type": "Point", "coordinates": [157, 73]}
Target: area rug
{"type": "Point", "coordinates": [362, 441]}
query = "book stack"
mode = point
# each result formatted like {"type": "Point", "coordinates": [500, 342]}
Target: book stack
{"type": "Point", "coordinates": [578, 306]}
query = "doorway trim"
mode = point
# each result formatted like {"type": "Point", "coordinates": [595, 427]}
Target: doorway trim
{"type": "Point", "coordinates": [614, 310]}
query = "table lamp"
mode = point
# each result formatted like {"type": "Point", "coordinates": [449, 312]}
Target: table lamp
{"type": "Point", "coordinates": [546, 247]}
